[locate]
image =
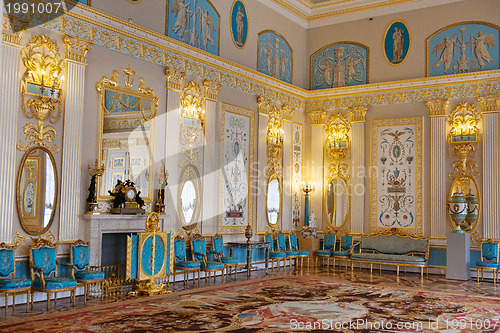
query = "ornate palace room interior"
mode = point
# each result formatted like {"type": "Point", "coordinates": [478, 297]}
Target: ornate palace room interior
{"type": "Point", "coordinates": [249, 165]}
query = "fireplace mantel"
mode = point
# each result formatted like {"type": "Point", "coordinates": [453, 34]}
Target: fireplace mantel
{"type": "Point", "coordinates": [112, 223]}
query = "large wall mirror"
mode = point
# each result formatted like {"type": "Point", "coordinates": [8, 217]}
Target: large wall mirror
{"type": "Point", "coordinates": [37, 190]}
{"type": "Point", "coordinates": [126, 145]}
{"type": "Point", "coordinates": [273, 201]}
{"type": "Point", "coordinates": [336, 202]}
{"type": "Point", "coordinates": [189, 197]}
{"type": "Point", "coordinates": [464, 196]}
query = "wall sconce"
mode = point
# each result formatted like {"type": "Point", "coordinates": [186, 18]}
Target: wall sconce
{"type": "Point", "coordinates": [464, 138]}
{"type": "Point", "coordinates": [337, 143]}
{"type": "Point", "coordinates": [162, 177]}
{"type": "Point", "coordinates": [274, 140]}
{"type": "Point", "coordinates": [192, 113]}
{"type": "Point", "coordinates": [41, 91]}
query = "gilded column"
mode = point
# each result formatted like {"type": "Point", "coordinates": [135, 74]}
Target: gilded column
{"type": "Point", "coordinates": [317, 162]}
{"type": "Point", "coordinates": [358, 169]}
{"type": "Point", "coordinates": [9, 110]}
{"type": "Point", "coordinates": [175, 79]}
{"type": "Point", "coordinates": [490, 107]}
{"type": "Point", "coordinates": [71, 170]}
{"type": "Point", "coordinates": [287, 168]}
{"type": "Point", "coordinates": [210, 179]}
{"type": "Point", "coordinates": [438, 193]}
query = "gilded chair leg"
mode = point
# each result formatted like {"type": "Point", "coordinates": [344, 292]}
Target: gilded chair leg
{"type": "Point", "coordinates": [48, 301]}
{"type": "Point", "coordinates": [28, 301]}
{"type": "Point", "coordinates": [6, 303]}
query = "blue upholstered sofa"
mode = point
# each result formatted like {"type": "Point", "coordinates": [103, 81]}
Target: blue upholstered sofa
{"type": "Point", "coordinates": [392, 248]}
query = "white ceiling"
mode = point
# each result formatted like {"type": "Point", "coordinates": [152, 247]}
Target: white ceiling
{"type": "Point", "coordinates": [317, 13]}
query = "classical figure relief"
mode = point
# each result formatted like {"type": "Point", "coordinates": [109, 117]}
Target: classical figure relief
{"type": "Point", "coordinates": [463, 48]}
{"type": "Point", "coordinates": [194, 22]}
{"type": "Point", "coordinates": [239, 24]}
{"type": "Point", "coordinates": [275, 56]}
{"type": "Point", "coordinates": [397, 42]}
{"type": "Point", "coordinates": [338, 66]}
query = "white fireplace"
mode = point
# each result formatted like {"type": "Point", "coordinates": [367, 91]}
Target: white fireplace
{"type": "Point", "coordinates": [97, 225]}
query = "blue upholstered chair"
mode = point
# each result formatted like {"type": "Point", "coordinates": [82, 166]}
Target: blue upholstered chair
{"type": "Point", "coordinates": [186, 266]}
{"type": "Point", "coordinates": [9, 284]}
{"type": "Point", "coordinates": [275, 256]}
{"type": "Point", "coordinates": [294, 246]}
{"type": "Point", "coordinates": [199, 251]}
{"type": "Point", "coordinates": [80, 270]}
{"type": "Point", "coordinates": [43, 268]}
{"type": "Point", "coordinates": [281, 245]}
{"type": "Point", "coordinates": [345, 250]}
{"type": "Point", "coordinates": [218, 253]}
{"type": "Point", "coordinates": [489, 259]}
{"type": "Point", "coordinates": [326, 251]}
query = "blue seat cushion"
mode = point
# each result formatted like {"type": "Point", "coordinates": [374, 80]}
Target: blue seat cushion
{"type": "Point", "coordinates": [229, 260]}
{"type": "Point", "coordinates": [14, 283]}
{"type": "Point", "coordinates": [292, 253]}
{"type": "Point", "coordinates": [214, 265]}
{"type": "Point", "coordinates": [341, 254]}
{"type": "Point", "coordinates": [274, 254]}
{"type": "Point", "coordinates": [87, 275]}
{"type": "Point", "coordinates": [188, 264]}
{"type": "Point", "coordinates": [55, 283]}
{"type": "Point", "coordinates": [323, 252]}
{"type": "Point", "coordinates": [303, 252]}
{"type": "Point", "coordinates": [486, 264]}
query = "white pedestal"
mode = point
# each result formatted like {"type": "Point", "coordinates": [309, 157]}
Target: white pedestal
{"type": "Point", "coordinates": [458, 256]}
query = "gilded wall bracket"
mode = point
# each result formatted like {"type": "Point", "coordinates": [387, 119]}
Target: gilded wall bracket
{"type": "Point", "coordinates": [41, 92]}
{"type": "Point", "coordinates": [463, 139]}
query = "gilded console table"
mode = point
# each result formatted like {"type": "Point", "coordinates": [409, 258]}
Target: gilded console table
{"type": "Point", "coordinates": [250, 246]}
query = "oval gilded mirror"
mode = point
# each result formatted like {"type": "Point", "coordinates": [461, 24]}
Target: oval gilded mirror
{"type": "Point", "coordinates": [36, 190]}
{"type": "Point", "coordinates": [336, 202]}
{"type": "Point", "coordinates": [273, 201]}
{"type": "Point", "coordinates": [189, 199]}
{"type": "Point", "coordinates": [464, 204]}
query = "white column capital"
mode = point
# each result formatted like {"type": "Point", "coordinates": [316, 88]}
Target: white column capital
{"type": "Point", "coordinates": [437, 107]}
{"type": "Point", "coordinates": [76, 49]}
{"type": "Point", "coordinates": [489, 103]}
{"type": "Point", "coordinates": [174, 78]}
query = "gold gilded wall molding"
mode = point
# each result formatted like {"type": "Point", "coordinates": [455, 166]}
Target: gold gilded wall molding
{"type": "Point", "coordinates": [263, 105]}
{"type": "Point", "coordinates": [287, 112]}
{"type": "Point", "coordinates": [76, 48]}
{"type": "Point", "coordinates": [317, 117]}
{"type": "Point", "coordinates": [274, 142]}
{"type": "Point", "coordinates": [490, 103]}
{"type": "Point", "coordinates": [211, 89]}
{"type": "Point", "coordinates": [357, 114]}
{"type": "Point", "coordinates": [175, 78]}
{"type": "Point", "coordinates": [437, 107]}
{"type": "Point", "coordinates": [7, 31]}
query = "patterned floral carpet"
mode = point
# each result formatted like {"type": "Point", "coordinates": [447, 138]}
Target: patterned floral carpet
{"type": "Point", "coordinates": [280, 304]}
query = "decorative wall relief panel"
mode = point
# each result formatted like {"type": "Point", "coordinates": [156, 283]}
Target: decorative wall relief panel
{"type": "Point", "coordinates": [396, 175]}
{"type": "Point", "coordinates": [194, 22]}
{"type": "Point", "coordinates": [239, 24]}
{"type": "Point", "coordinates": [296, 176]}
{"type": "Point", "coordinates": [463, 48]}
{"type": "Point", "coordinates": [274, 56]}
{"type": "Point", "coordinates": [237, 157]}
{"type": "Point", "coordinates": [340, 64]}
{"type": "Point", "coordinates": [397, 42]}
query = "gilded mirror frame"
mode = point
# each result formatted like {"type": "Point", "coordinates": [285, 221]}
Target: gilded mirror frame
{"type": "Point", "coordinates": [140, 117]}
{"type": "Point", "coordinates": [271, 178]}
{"type": "Point", "coordinates": [190, 173]}
{"type": "Point", "coordinates": [20, 197]}
{"type": "Point", "coordinates": [478, 194]}
{"type": "Point", "coordinates": [344, 183]}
